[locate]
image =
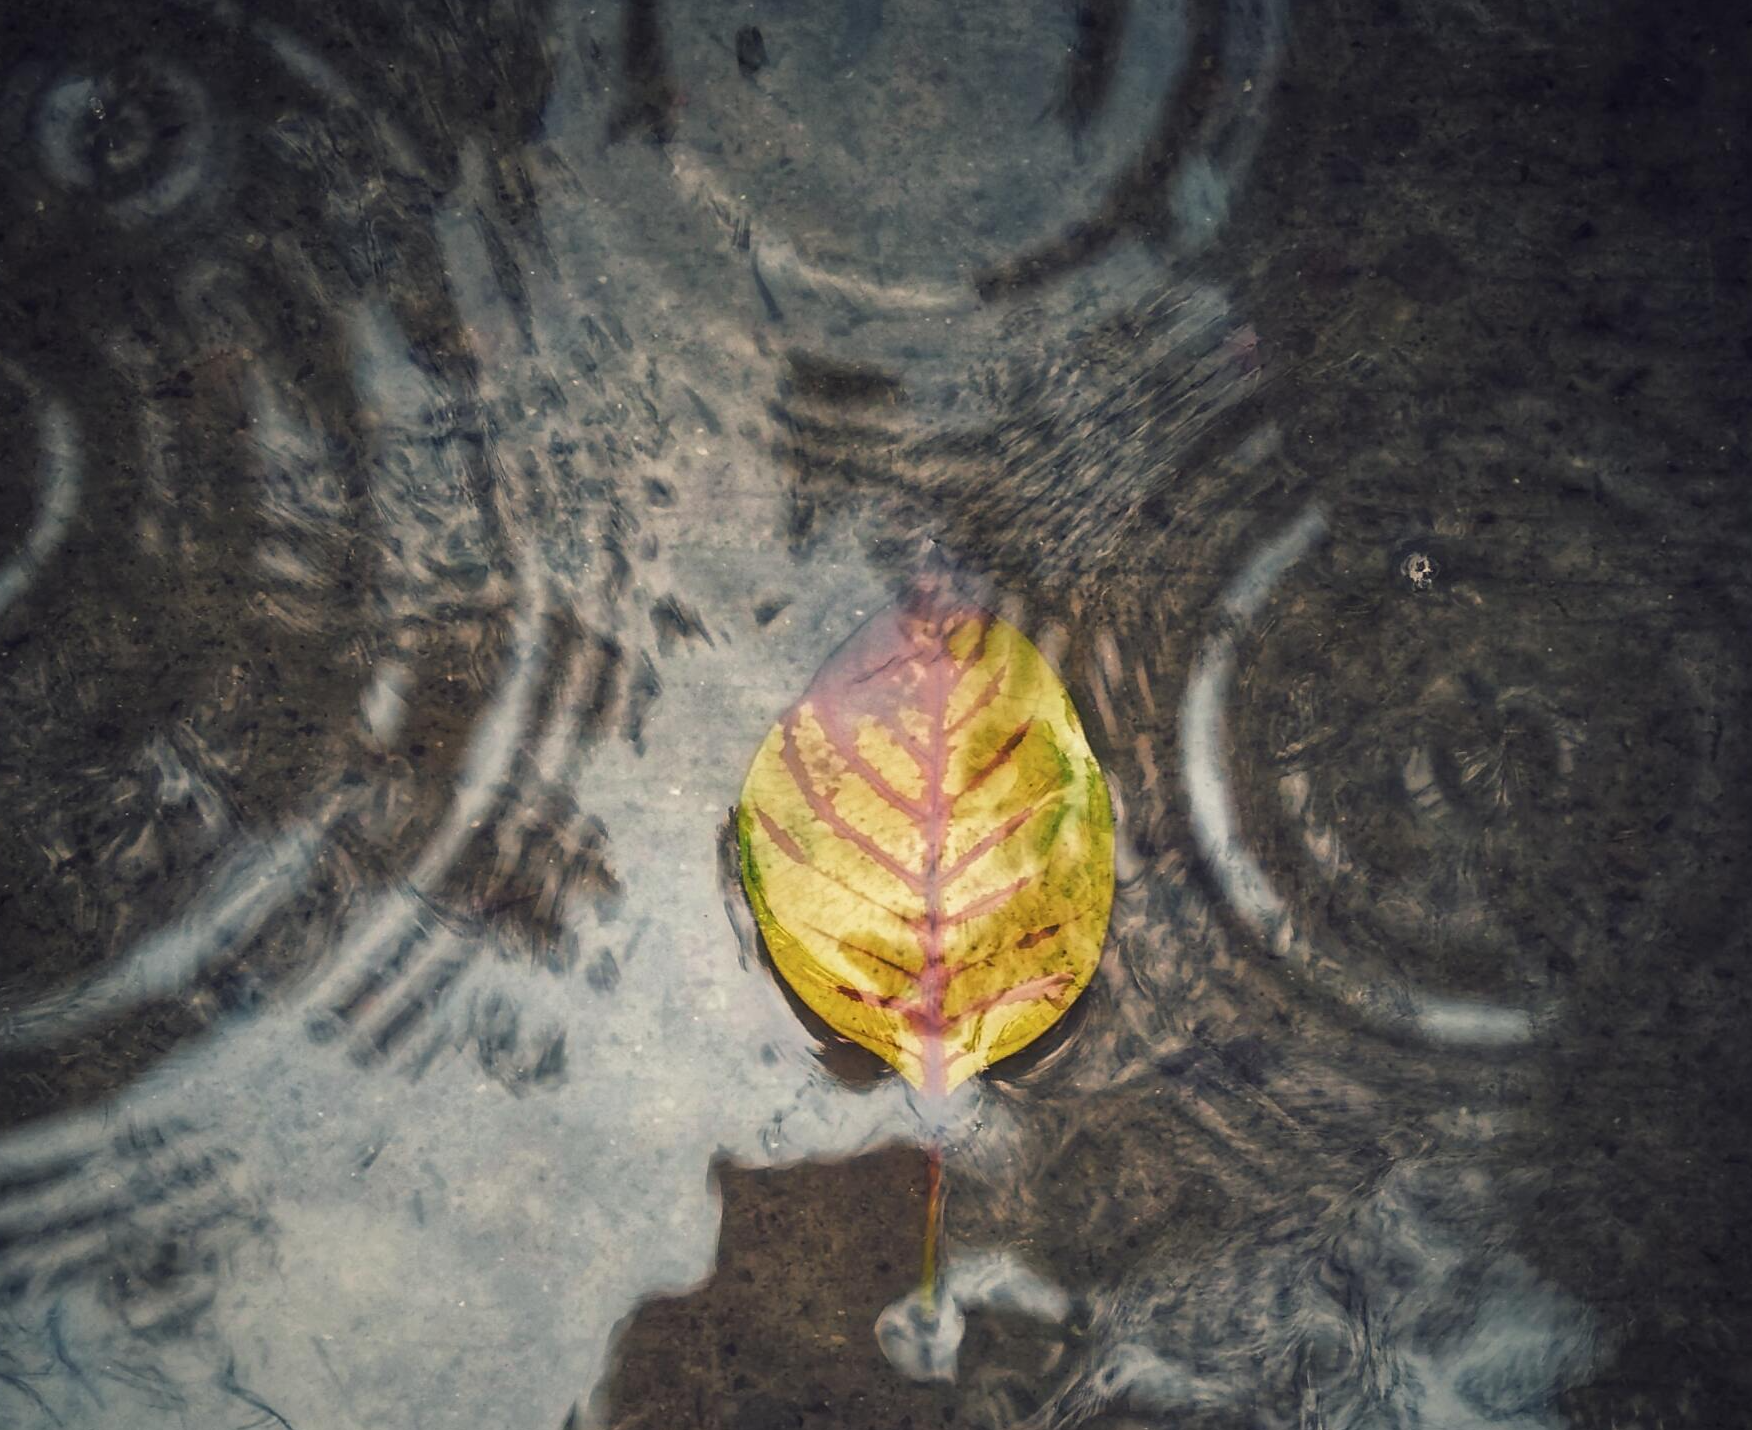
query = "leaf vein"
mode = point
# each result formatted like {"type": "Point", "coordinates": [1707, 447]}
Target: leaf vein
{"type": "Point", "coordinates": [788, 846]}
{"type": "Point", "coordinates": [987, 902]}
{"type": "Point", "coordinates": [990, 842]}
{"type": "Point", "coordinates": [859, 949]}
{"type": "Point", "coordinates": [1000, 758]}
{"type": "Point", "coordinates": [847, 750]}
{"type": "Point", "coordinates": [984, 698]}
{"type": "Point", "coordinates": [822, 807]}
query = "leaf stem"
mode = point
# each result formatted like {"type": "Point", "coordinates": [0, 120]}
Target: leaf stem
{"type": "Point", "coordinates": [933, 1225]}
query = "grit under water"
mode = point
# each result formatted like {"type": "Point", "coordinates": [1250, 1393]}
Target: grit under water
{"type": "Point", "coordinates": [443, 438]}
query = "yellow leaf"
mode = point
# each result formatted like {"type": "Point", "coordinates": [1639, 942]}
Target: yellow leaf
{"type": "Point", "coordinates": [927, 842]}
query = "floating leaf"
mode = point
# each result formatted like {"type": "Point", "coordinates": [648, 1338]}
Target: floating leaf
{"type": "Point", "coordinates": [927, 842]}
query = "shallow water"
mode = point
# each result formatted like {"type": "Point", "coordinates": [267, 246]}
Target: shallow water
{"type": "Point", "coordinates": [448, 437]}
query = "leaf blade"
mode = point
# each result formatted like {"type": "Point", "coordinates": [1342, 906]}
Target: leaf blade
{"type": "Point", "coordinates": [927, 842]}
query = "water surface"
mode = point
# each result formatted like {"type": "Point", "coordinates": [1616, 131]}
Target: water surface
{"type": "Point", "coordinates": [446, 438]}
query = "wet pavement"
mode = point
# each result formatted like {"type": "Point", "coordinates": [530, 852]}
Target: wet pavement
{"type": "Point", "coordinates": [446, 438]}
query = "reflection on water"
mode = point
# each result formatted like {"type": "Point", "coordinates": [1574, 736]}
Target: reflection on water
{"type": "Point", "coordinates": [445, 448]}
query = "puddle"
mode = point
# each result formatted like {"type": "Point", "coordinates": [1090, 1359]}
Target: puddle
{"type": "Point", "coordinates": [443, 450]}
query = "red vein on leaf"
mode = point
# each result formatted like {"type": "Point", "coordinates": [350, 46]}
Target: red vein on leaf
{"type": "Point", "coordinates": [977, 654]}
{"type": "Point", "coordinates": [1028, 940]}
{"type": "Point", "coordinates": [920, 755]}
{"type": "Point", "coordinates": [894, 663]}
{"type": "Point", "coordinates": [1035, 988]}
{"type": "Point", "coordinates": [845, 746]}
{"type": "Point", "coordinates": [788, 846]}
{"type": "Point", "coordinates": [983, 699]}
{"type": "Point", "coordinates": [869, 953]}
{"type": "Point", "coordinates": [999, 759]}
{"type": "Point", "coordinates": [822, 807]}
{"type": "Point", "coordinates": [986, 903]}
{"type": "Point", "coordinates": [933, 977]}
{"type": "Point", "coordinates": [888, 1002]}
{"type": "Point", "coordinates": [990, 842]}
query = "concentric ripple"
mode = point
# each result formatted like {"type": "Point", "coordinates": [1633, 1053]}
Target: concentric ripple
{"type": "Point", "coordinates": [459, 542]}
{"type": "Point", "coordinates": [137, 137]}
{"type": "Point", "coordinates": [1424, 845]}
{"type": "Point", "coordinates": [47, 496]}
